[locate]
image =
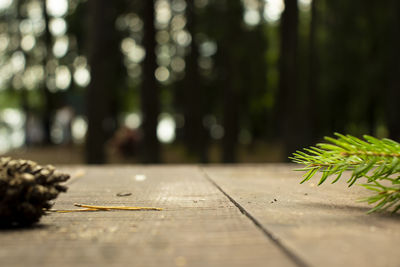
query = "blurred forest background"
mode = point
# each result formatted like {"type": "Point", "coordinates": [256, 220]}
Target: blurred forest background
{"type": "Point", "coordinates": [168, 81]}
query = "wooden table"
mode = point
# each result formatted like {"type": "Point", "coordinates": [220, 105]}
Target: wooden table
{"type": "Point", "coordinates": [250, 215]}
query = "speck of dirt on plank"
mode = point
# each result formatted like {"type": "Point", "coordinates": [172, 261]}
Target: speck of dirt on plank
{"type": "Point", "coordinates": [124, 194]}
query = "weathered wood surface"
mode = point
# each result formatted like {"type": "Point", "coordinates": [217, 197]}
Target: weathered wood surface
{"type": "Point", "coordinates": [199, 226]}
{"type": "Point", "coordinates": [213, 216]}
{"type": "Point", "coordinates": [323, 225]}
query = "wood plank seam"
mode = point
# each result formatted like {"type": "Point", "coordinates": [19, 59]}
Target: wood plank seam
{"type": "Point", "coordinates": [291, 255]}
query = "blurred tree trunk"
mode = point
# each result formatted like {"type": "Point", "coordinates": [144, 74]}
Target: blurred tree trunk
{"type": "Point", "coordinates": [48, 101]}
{"type": "Point", "coordinates": [289, 125]}
{"type": "Point", "coordinates": [194, 131]}
{"type": "Point", "coordinates": [24, 93]}
{"type": "Point", "coordinates": [149, 90]}
{"type": "Point", "coordinates": [233, 84]}
{"type": "Point", "coordinates": [103, 54]}
{"type": "Point", "coordinates": [231, 114]}
{"type": "Point", "coordinates": [311, 113]}
{"type": "Point", "coordinates": [393, 94]}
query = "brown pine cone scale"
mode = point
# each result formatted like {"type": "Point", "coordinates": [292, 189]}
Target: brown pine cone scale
{"type": "Point", "coordinates": [26, 190]}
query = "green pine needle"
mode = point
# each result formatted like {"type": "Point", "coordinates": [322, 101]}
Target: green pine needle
{"type": "Point", "coordinates": [375, 160]}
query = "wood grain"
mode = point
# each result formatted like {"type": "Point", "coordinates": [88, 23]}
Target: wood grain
{"type": "Point", "coordinates": [324, 226]}
{"type": "Point", "coordinates": [199, 225]}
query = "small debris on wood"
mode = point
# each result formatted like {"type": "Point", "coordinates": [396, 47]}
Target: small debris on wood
{"type": "Point", "coordinates": [124, 194]}
{"type": "Point", "coordinates": [77, 174]}
{"type": "Point", "coordinates": [140, 177]}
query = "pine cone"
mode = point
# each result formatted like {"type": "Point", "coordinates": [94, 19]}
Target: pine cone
{"type": "Point", "coordinates": [26, 189]}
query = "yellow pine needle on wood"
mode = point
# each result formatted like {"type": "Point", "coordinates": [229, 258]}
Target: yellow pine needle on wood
{"type": "Point", "coordinates": [104, 208]}
{"type": "Point", "coordinates": [115, 207]}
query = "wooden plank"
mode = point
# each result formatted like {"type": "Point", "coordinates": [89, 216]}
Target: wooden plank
{"type": "Point", "coordinates": [199, 226]}
{"type": "Point", "coordinates": [323, 225]}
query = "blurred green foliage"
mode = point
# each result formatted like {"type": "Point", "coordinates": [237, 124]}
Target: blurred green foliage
{"type": "Point", "coordinates": [347, 67]}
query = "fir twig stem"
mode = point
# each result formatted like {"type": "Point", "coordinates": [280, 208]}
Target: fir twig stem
{"type": "Point", "coordinates": [370, 153]}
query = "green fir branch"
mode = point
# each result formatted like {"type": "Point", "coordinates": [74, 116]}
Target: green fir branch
{"type": "Point", "coordinates": [376, 160]}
